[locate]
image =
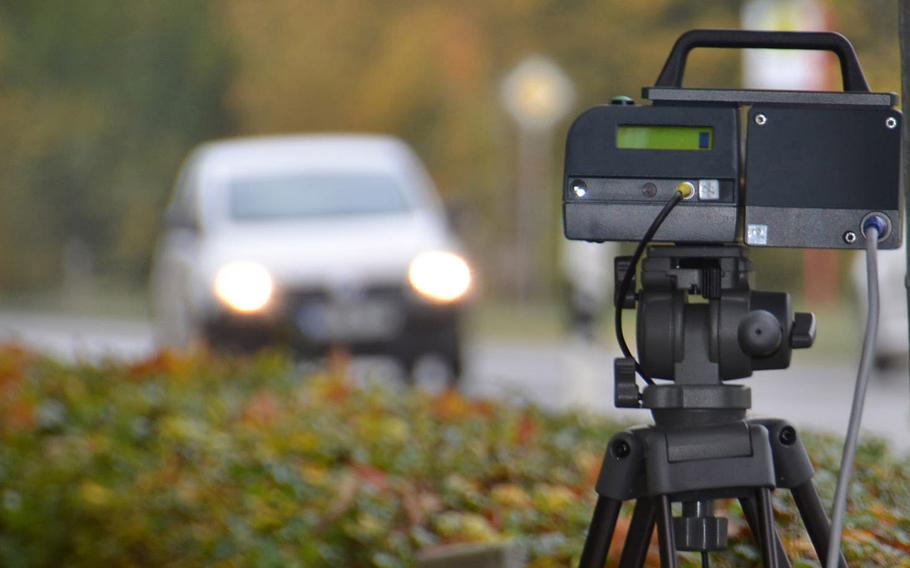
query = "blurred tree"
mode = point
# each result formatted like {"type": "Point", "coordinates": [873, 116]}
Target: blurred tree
{"type": "Point", "coordinates": [430, 72]}
{"type": "Point", "coordinates": [100, 100]}
{"type": "Point", "coordinates": [98, 103]}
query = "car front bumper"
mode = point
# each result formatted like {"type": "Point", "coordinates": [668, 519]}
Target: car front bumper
{"type": "Point", "coordinates": [378, 320]}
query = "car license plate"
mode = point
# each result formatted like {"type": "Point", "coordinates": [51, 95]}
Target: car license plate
{"type": "Point", "coordinates": [349, 322]}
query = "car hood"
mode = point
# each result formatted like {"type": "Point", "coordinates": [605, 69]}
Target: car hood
{"type": "Point", "coordinates": [329, 252]}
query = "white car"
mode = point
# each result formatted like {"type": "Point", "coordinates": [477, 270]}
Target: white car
{"type": "Point", "coordinates": [310, 242]}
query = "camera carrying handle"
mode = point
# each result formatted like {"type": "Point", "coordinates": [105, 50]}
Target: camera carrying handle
{"type": "Point", "coordinates": [672, 73]}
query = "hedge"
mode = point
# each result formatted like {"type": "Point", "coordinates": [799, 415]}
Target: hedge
{"type": "Point", "coordinates": [195, 460]}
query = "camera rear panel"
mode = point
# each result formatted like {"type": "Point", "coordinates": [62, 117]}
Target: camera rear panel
{"type": "Point", "coordinates": [814, 173]}
{"type": "Point", "coordinates": [624, 162]}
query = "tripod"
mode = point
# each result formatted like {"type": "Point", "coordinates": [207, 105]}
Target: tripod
{"type": "Point", "coordinates": [702, 447]}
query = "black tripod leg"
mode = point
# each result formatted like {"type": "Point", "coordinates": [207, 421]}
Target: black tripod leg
{"type": "Point", "coordinates": [665, 532]}
{"type": "Point", "coordinates": [600, 533]}
{"type": "Point", "coordinates": [816, 520]}
{"type": "Point", "coordinates": [635, 551]}
{"type": "Point", "coordinates": [750, 509]}
{"type": "Point", "coordinates": [766, 528]}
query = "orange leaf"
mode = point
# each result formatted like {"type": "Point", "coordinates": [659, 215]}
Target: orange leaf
{"type": "Point", "coordinates": [371, 475]}
{"type": "Point", "coordinates": [20, 416]}
{"type": "Point", "coordinates": [13, 360]}
{"type": "Point", "coordinates": [158, 364]}
{"type": "Point", "coordinates": [262, 409]}
{"type": "Point", "coordinates": [526, 430]}
{"type": "Point", "coordinates": [450, 405]}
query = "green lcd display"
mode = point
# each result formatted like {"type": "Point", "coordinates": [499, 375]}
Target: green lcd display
{"type": "Point", "coordinates": [632, 137]}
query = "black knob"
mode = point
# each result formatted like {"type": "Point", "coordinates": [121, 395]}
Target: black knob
{"type": "Point", "coordinates": [759, 333]}
{"type": "Point", "coordinates": [802, 336]}
{"type": "Point", "coordinates": [625, 393]}
{"type": "Point", "coordinates": [700, 533]}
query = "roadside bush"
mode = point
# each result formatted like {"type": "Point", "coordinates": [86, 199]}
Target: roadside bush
{"type": "Point", "coordinates": [192, 460]}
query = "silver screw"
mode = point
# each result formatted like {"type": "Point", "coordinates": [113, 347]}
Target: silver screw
{"type": "Point", "coordinates": [891, 123]}
{"type": "Point", "coordinates": [579, 189]}
{"type": "Point", "coordinates": [761, 119]}
{"type": "Point", "coordinates": [849, 237]}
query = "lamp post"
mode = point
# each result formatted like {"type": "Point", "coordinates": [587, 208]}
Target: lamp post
{"type": "Point", "coordinates": [537, 94]}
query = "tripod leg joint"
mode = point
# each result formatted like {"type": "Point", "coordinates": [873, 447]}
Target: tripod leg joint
{"type": "Point", "coordinates": [792, 466]}
{"type": "Point", "coordinates": [622, 473]}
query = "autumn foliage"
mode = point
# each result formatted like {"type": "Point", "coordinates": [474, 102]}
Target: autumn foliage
{"type": "Point", "coordinates": [192, 460]}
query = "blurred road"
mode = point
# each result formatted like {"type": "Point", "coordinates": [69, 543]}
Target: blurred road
{"type": "Point", "coordinates": [812, 393]}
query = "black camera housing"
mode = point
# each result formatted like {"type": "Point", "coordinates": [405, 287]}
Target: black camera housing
{"type": "Point", "coordinates": [815, 164]}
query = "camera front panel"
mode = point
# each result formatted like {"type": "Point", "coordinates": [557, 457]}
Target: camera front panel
{"type": "Point", "coordinates": [624, 162]}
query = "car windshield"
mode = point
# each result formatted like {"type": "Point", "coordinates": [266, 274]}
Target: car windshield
{"type": "Point", "coordinates": [315, 195]}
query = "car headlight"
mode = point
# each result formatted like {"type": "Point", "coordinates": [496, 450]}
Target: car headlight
{"type": "Point", "coordinates": [245, 287]}
{"type": "Point", "coordinates": [440, 276]}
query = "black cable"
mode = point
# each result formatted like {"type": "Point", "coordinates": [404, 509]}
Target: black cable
{"type": "Point", "coordinates": [627, 280]}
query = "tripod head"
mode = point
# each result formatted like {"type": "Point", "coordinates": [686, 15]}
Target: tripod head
{"type": "Point", "coordinates": [699, 325]}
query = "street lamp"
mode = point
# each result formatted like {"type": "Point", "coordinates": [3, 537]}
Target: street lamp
{"type": "Point", "coordinates": [537, 94]}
